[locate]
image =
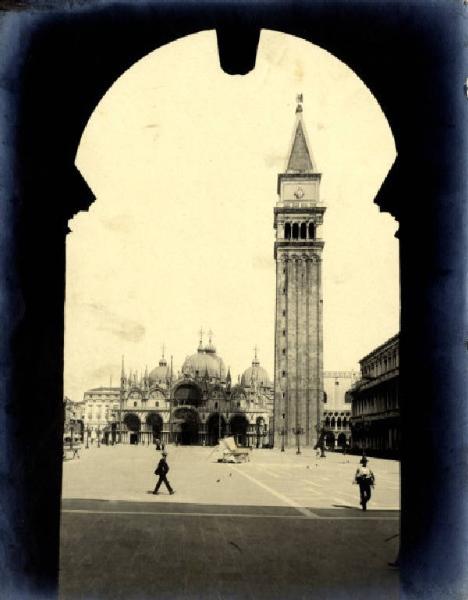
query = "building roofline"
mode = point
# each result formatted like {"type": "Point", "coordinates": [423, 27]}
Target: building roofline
{"type": "Point", "coordinates": [380, 348]}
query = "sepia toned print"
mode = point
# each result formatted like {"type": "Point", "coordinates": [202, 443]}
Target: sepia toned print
{"type": "Point", "coordinates": [231, 328]}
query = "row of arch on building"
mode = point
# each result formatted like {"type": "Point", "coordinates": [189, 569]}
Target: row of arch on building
{"type": "Point", "coordinates": [187, 428]}
{"type": "Point", "coordinates": [299, 231]}
{"type": "Point", "coordinates": [339, 423]}
{"type": "Point", "coordinates": [339, 441]}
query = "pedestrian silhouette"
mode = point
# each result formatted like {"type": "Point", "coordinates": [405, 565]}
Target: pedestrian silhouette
{"type": "Point", "coordinates": [162, 470]}
{"type": "Point", "coordinates": [365, 479]}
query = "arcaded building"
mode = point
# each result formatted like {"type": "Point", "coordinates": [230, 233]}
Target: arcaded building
{"type": "Point", "coordinates": [298, 216]}
{"type": "Point", "coordinates": [375, 418]}
{"type": "Point", "coordinates": [336, 416]}
{"type": "Point", "coordinates": [198, 405]}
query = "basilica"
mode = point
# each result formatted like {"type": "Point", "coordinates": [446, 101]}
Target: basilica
{"type": "Point", "coordinates": [198, 405]}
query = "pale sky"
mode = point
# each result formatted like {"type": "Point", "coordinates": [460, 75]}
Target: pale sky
{"type": "Point", "coordinates": [183, 160]}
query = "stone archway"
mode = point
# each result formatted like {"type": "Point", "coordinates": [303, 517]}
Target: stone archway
{"type": "Point", "coordinates": [215, 428]}
{"type": "Point", "coordinates": [342, 440]}
{"type": "Point", "coordinates": [239, 426]}
{"type": "Point", "coordinates": [154, 422]}
{"type": "Point", "coordinates": [330, 440]}
{"type": "Point", "coordinates": [133, 425]}
{"type": "Point", "coordinates": [186, 425]}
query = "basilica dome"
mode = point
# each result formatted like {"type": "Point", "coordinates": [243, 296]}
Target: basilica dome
{"type": "Point", "coordinates": [255, 374]}
{"type": "Point", "coordinates": [205, 362]}
{"type": "Point", "coordinates": [161, 373]}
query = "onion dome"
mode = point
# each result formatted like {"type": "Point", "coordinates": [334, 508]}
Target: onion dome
{"type": "Point", "coordinates": [255, 375]}
{"type": "Point", "coordinates": [161, 373]}
{"type": "Point", "coordinates": [205, 363]}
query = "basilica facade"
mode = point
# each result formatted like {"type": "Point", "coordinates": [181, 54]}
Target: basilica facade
{"type": "Point", "coordinates": [197, 406]}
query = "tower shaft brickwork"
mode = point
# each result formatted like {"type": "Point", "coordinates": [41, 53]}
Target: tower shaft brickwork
{"type": "Point", "coordinates": [298, 216]}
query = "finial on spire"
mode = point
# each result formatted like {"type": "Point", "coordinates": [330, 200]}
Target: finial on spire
{"type": "Point", "coordinates": [163, 349]}
{"type": "Point", "coordinates": [201, 335]}
{"type": "Point", "coordinates": [255, 350]}
{"type": "Point", "coordinates": [210, 334]}
{"type": "Point", "coordinates": [122, 372]}
{"type": "Point", "coordinates": [299, 100]}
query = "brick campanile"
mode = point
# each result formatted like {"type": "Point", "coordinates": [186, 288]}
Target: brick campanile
{"type": "Point", "coordinates": [298, 215]}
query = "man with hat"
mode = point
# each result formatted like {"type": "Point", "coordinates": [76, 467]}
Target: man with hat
{"type": "Point", "coordinates": [365, 478]}
{"type": "Point", "coordinates": [162, 470]}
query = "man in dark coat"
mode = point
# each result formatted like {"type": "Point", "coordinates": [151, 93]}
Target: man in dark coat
{"type": "Point", "coordinates": [162, 470]}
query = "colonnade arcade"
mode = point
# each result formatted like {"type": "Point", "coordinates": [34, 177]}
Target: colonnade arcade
{"type": "Point", "coordinates": [189, 427]}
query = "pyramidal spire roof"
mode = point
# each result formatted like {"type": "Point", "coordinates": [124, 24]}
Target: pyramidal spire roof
{"type": "Point", "coordinates": [300, 156]}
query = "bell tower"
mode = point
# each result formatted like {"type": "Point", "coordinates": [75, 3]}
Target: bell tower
{"type": "Point", "coordinates": [298, 215]}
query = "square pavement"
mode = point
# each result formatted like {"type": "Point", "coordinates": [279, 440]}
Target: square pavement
{"type": "Point", "coordinates": [280, 526]}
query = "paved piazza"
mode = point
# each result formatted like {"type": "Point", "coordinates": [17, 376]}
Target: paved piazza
{"type": "Point", "coordinates": [280, 526]}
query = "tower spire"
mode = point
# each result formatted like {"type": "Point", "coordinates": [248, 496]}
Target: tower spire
{"type": "Point", "coordinates": [300, 159]}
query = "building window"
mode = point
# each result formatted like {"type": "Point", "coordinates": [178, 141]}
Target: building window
{"type": "Point", "coordinates": [135, 404]}
{"type": "Point", "coordinates": [238, 405]}
{"type": "Point", "coordinates": [284, 331]}
{"type": "Point", "coordinates": [287, 231]}
{"type": "Point", "coordinates": [283, 373]}
{"type": "Point", "coordinates": [303, 231]}
{"type": "Point", "coordinates": [295, 231]}
{"type": "Point", "coordinates": [216, 405]}
{"type": "Point", "coordinates": [156, 403]}
{"type": "Point", "coordinates": [311, 231]}
{"type": "Point", "coordinates": [284, 350]}
{"type": "Point", "coordinates": [284, 313]}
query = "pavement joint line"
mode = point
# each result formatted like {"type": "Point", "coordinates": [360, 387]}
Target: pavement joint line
{"type": "Point", "coordinates": [304, 511]}
{"type": "Point", "coordinates": [269, 472]}
{"type": "Point", "coordinates": [299, 517]}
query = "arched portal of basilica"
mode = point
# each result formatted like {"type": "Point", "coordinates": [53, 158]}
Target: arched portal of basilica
{"type": "Point", "coordinates": [132, 424]}
{"type": "Point", "coordinates": [186, 425]}
{"type": "Point", "coordinates": [215, 428]}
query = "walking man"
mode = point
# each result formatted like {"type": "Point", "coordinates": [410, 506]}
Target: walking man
{"type": "Point", "coordinates": [162, 470]}
{"type": "Point", "coordinates": [365, 479]}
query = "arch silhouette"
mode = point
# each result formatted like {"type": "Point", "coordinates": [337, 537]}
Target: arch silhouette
{"type": "Point", "coordinates": [52, 131]}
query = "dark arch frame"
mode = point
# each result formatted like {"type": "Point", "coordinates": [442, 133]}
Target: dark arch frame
{"type": "Point", "coordinates": [49, 97]}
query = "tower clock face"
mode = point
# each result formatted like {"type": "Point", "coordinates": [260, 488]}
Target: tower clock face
{"type": "Point", "coordinates": [299, 193]}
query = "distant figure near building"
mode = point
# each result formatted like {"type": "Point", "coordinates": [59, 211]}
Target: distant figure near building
{"type": "Point", "coordinates": [162, 470]}
{"type": "Point", "coordinates": [365, 479]}
{"type": "Point", "coordinates": [157, 441]}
